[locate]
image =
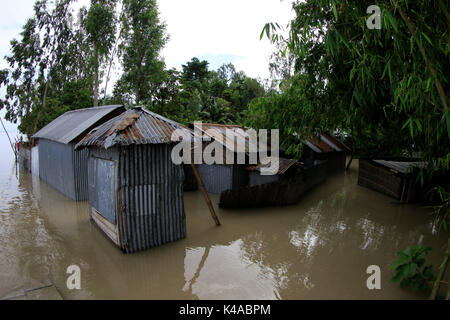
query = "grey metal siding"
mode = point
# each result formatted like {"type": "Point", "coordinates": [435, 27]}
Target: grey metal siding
{"type": "Point", "coordinates": [63, 168]}
{"type": "Point", "coordinates": [216, 178]}
{"type": "Point", "coordinates": [151, 206]}
{"type": "Point", "coordinates": [240, 176]}
{"type": "Point", "coordinates": [102, 187]}
{"type": "Point", "coordinates": [81, 173]}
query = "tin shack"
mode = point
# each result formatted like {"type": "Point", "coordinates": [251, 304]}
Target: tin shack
{"type": "Point", "coordinates": [135, 190]}
{"type": "Point", "coordinates": [59, 164]}
{"type": "Point", "coordinates": [397, 177]}
{"type": "Point", "coordinates": [326, 147]}
{"type": "Point", "coordinates": [225, 176]}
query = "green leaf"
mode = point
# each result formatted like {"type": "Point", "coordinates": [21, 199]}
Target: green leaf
{"type": "Point", "coordinates": [400, 261]}
{"type": "Point", "coordinates": [262, 33]}
{"type": "Point", "coordinates": [397, 277]}
{"type": "Point", "coordinates": [409, 270]}
{"type": "Point", "coordinates": [391, 20]}
{"type": "Point", "coordinates": [334, 10]}
{"type": "Point", "coordinates": [426, 38]}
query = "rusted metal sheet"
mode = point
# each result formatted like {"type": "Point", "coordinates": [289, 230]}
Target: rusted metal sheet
{"type": "Point", "coordinates": [133, 127]}
{"type": "Point", "coordinates": [147, 188]}
{"type": "Point", "coordinates": [284, 165]}
{"type": "Point", "coordinates": [237, 138]}
{"type": "Point", "coordinates": [335, 143]}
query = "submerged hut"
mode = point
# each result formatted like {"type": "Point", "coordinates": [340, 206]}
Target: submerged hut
{"type": "Point", "coordinates": [396, 177]}
{"type": "Point", "coordinates": [135, 190]}
{"type": "Point", "coordinates": [220, 177]}
{"type": "Point", "coordinates": [326, 147]}
{"type": "Point", "coordinates": [59, 164]}
{"type": "Point", "coordinates": [281, 189]}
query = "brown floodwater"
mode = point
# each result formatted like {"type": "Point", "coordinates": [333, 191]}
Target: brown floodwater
{"type": "Point", "coordinates": [318, 249]}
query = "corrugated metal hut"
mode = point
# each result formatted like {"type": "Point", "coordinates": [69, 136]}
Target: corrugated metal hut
{"type": "Point", "coordinates": [395, 178]}
{"type": "Point", "coordinates": [256, 178]}
{"type": "Point", "coordinates": [281, 189]}
{"type": "Point", "coordinates": [326, 147]}
{"type": "Point", "coordinates": [59, 164]}
{"type": "Point", "coordinates": [135, 190]}
{"type": "Point", "coordinates": [220, 177]}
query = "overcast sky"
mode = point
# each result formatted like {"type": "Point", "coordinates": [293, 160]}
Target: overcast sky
{"type": "Point", "coordinates": [220, 31]}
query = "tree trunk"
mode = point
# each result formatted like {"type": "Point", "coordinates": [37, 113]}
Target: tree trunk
{"type": "Point", "coordinates": [44, 102]}
{"type": "Point", "coordinates": [96, 80]}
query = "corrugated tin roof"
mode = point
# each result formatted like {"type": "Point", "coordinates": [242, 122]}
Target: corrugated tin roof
{"type": "Point", "coordinates": [326, 143]}
{"type": "Point", "coordinates": [135, 126]}
{"type": "Point", "coordinates": [284, 165]}
{"type": "Point", "coordinates": [402, 166]}
{"type": "Point", "coordinates": [72, 124]}
{"type": "Point", "coordinates": [236, 139]}
{"type": "Point", "coordinates": [335, 143]}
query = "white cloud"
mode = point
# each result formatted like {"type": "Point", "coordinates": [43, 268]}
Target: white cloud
{"type": "Point", "coordinates": [213, 27]}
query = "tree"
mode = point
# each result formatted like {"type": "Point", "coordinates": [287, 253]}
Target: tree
{"type": "Point", "coordinates": [385, 86]}
{"type": "Point", "coordinates": [143, 37]}
{"type": "Point", "coordinates": [100, 28]}
{"type": "Point", "coordinates": [195, 73]}
{"type": "Point", "coordinates": [50, 54]}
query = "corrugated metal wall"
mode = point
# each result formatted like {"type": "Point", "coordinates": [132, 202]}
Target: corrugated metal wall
{"type": "Point", "coordinates": [218, 178]}
{"type": "Point", "coordinates": [151, 206]}
{"type": "Point", "coordinates": [35, 161]}
{"type": "Point", "coordinates": [63, 168]}
{"type": "Point", "coordinates": [80, 158]}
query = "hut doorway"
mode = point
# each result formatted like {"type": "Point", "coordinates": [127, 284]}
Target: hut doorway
{"type": "Point", "coordinates": [102, 182]}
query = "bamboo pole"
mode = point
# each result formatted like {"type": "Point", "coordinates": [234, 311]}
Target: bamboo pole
{"type": "Point", "coordinates": [12, 146]}
{"type": "Point", "coordinates": [349, 162]}
{"type": "Point", "coordinates": [205, 194]}
{"type": "Point", "coordinates": [441, 274]}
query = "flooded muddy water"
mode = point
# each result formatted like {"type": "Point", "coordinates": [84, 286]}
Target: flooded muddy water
{"type": "Point", "coordinates": [318, 249]}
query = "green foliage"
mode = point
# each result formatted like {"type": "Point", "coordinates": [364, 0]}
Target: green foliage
{"type": "Point", "coordinates": [198, 93]}
{"type": "Point", "coordinates": [378, 85]}
{"type": "Point", "coordinates": [49, 57]}
{"type": "Point", "coordinates": [277, 110]}
{"type": "Point", "coordinates": [143, 37]}
{"type": "Point", "coordinates": [410, 269]}
{"type": "Point", "coordinates": [100, 28]}
{"type": "Point", "coordinates": [442, 211]}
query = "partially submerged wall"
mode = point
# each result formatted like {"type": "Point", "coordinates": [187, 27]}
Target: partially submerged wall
{"type": "Point", "coordinates": [136, 196]}
{"type": "Point", "coordinates": [286, 191]}
{"type": "Point", "coordinates": [64, 168]}
{"type": "Point", "coordinates": [24, 157]}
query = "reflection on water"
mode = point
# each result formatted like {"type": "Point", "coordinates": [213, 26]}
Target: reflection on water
{"type": "Point", "coordinates": [318, 249]}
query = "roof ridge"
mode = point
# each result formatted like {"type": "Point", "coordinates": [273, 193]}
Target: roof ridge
{"type": "Point", "coordinates": [95, 108]}
{"type": "Point", "coordinates": [172, 122]}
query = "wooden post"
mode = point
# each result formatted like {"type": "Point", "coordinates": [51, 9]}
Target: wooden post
{"type": "Point", "coordinates": [205, 194]}
{"type": "Point", "coordinates": [349, 162]}
{"type": "Point", "coordinates": [12, 147]}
